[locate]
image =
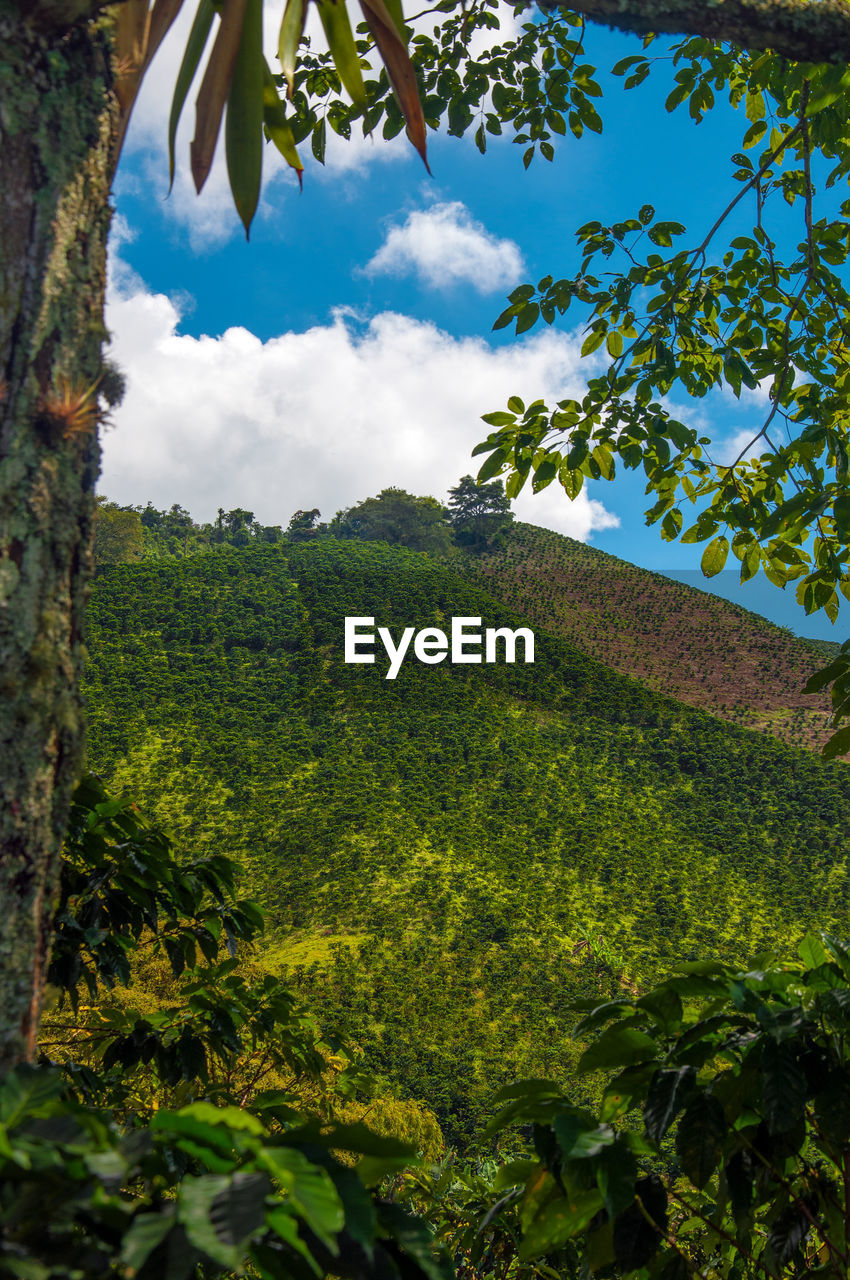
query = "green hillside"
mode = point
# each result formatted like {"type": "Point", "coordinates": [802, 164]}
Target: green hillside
{"type": "Point", "coordinates": [450, 857]}
{"type": "Point", "coordinates": [686, 643]}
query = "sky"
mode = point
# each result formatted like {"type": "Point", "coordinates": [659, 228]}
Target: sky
{"type": "Point", "coordinates": [349, 346]}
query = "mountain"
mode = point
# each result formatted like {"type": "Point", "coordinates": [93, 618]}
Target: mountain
{"type": "Point", "coordinates": [683, 642]}
{"type": "Point", "coordinates": [448, 858]}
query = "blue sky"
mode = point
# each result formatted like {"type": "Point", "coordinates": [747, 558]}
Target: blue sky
{"type": "Point", "coordinates": [349, 345]}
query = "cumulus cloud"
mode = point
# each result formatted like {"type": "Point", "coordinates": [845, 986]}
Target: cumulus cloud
{"type": "Point", "coordinates": [321, 418]}
{"type": "Point", "coordinates": [445, 246]}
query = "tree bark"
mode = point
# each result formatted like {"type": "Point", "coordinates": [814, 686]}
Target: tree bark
{"type": "Point", "coordinates": [58, 121]}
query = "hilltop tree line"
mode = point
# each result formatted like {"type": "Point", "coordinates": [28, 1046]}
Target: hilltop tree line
{"type": "Point", "coordinates": [477, 518]}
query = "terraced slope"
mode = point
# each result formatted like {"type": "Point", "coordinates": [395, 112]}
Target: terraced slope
{"type": "Point", "coordinates": [695, 647]}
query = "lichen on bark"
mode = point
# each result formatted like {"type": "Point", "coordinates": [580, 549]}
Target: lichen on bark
{"type": "Point", "coordinates": [57, 148]}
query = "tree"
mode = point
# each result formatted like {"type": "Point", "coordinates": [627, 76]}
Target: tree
{"type": "Point", "coordinates": [70, 72]}
{"type": "Point", "coordinates": [398, 517]}
{"type": "Point", "coordinates": [722, 1142]}
{"type": "Point", "coordinates": [117, 534]}
{"type": "Point", "coordinates": [302, 526]}
{"type": "Point", "coordinates": [237, 527]}
{"type": "Point", "coordinates": [480, 514]}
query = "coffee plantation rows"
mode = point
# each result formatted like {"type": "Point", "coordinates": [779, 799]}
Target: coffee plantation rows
{"type": "Point", "coordinates": [684, 642]}
{"type": "Point", "coordinates": [448, 859]}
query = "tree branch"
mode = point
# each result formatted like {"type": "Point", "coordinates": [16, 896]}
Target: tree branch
{"type": "Point", "coordinates": [803, 30]}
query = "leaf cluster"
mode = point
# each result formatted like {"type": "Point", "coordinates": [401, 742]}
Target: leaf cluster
{"type": "Point", "coordinates": [204, 1190]}
{"type": "Point", "coordinates": [723, 1138]}
{"type": "Point", "coordinates": [757, 312]}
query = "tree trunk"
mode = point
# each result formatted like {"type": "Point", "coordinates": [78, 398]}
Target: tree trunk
{"type": "Point", "coordinates": [57, 151]}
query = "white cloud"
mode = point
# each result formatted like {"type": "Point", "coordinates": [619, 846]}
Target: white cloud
{"type": "Point", "coordinates": [322, 418]}
{"type": "Point", "coordinates": [445, 246]}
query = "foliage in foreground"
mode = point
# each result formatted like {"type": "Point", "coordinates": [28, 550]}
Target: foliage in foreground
{"type": "Point", "coordinates": [99, 1178]}
{"type": "Point", "coordinates": [722, 1144]}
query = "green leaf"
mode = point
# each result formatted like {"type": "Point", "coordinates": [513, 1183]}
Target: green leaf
{"type": "Point", "coordinates": [699, 1138]}
{"type": "Point", "coordinates": [146, 1232]}
{"type": "Point", "coordinates": [714, 556]}
{"type": "Point", "coordinates": [216, 85]}
{"type": "Point", "coordinates": [284, 1224]}
{"type": "Point", "coordinates": [318, 140]}
{"type": "Point", "coordinates": [514, 484]}
{"type": "Point", "coordinates": [416, 1240]}
{"type": "Point", "coordinates": [668, 1093]}
{"type": "Point", "coordinates": [616, 1172]}
{"type": "Point", "coordinates": [357, 1206]}
{"type": "Point", "coordinates": [751, 562]}
{"type": "Point", "coordinates": [635, 1239]}
{"type": "Point", "coordinates": [219, 1214]}
{"type": "Point", "coordinates": [671, 525]}
{"type": "Point", "coordinates": [356, 1138]}
{"type": "Point", "coordinates": [600, 1014]}
{"type": "Point", "coordinates": [227, 1117]}
{"type": "Point", "coordinates": [614, 343]}
{"type": "Point", "coordinates": [528, 317]}
{"type": "Point", "coordinates": [832, 1109]}
{"type": "Point", "coordinates": [494, 465]}
{"type": "Point", "coordinates": [593, 340]}
{"type": "Point", "coordinates": [605, 461]}
{"type": "Point", "coordinates": [337, 27]}
{"type": "Point", "coordinates": [243, 127]}
{"type": "Point", "coordinates": [276, 124]}
{"type": "Point", "coordinates": [826, 675]}
{"type": "Point", "coordinates": [513, 1174]}
{"type": "Point", "coordinates": [571, 481]}
{"type": "Point", "coordinates": [664, 1005]}
{"type": "Point", "coordinates": [841, 515]}
{"type": "Point", "coordinates": [195, 46]}
{"type": "Point", "coordinates": [837, 745]}
{"type": "Point", "coordinates": [755, 106]}
{"type": "Point", "coordinates": [619, 1046]}
{"type": "Point", "coordinates": [559, 1221]}
{"type": "Point", "coordinates": [311, 1191]}
{"type": "Point", "coordinates": [812, 952]}
{"type": "Point", "coordinates": [784, 1087]}
{"type": "Point", "coordinates": [507, 316]}
{"type": "Point", "coordinates": [291, 31]}
{"type": "Point", "coordinates": [25, 1091]}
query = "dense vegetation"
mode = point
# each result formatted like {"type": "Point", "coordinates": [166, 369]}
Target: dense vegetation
{"type": "Point", "coordinates": [448, 858]}
{"type": "Point", "coordinates": [185, 1117]}
{"type": "Point", "coordinates": [691, 645]}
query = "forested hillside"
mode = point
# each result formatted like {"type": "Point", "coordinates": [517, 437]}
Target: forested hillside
{"type": "Point", "coordinates": [684, 642]}
{"type": "Point", "coordinates": [450, 857]}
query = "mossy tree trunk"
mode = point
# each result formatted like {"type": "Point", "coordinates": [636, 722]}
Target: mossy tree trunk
{"type": "Point", "coordinates": [57, 150]}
